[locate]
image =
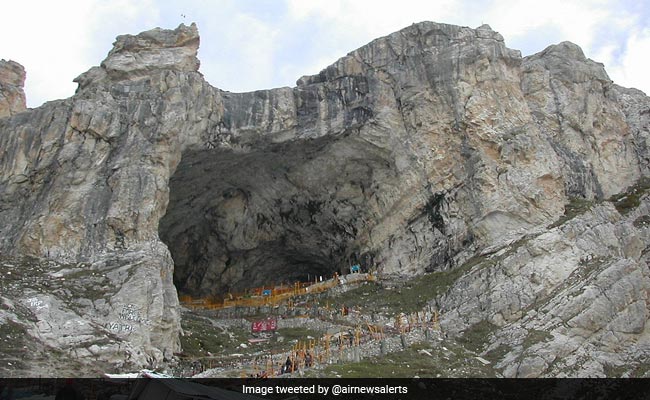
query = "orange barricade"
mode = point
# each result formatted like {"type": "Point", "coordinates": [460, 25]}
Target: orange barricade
{"type": "Point", "coordinates": [265, 296]}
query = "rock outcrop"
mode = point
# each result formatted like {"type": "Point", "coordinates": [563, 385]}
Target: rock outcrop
{"type": "Point", "coordinates": [398, 159]}
{"type": "Point", "coordinates": [568, 301]}
{"type": "Point", "coordinates": [84, 184]}
{"type": "Point", "coordinates": [12, 81]}
{"type": "Point", "coordinates": [412, 154]}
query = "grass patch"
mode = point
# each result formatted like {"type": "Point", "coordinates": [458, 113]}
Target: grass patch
{"type": "Point", "coordinates": [202, 340]}
{"type": "Point", "coordinates": [613, 371]}
{"type": "Point", "coordinates": [641, 370]}
{"type": "Point", "coordinates": [201, 337]}
{"type": "Point", "coordinates": [576, 206]}
{"type": "Point", "coordinates": [631, 198]}
{"type": "Point", "coordinates": [642, 222]}
{"type": "Point", "coordinates": [497, 353]}
{"type": "Point", "coordinates": [12, 352]}
{"type": "Point", "coordinates": [454, 361]}
{"type": "Point", "coordinates": [290, 334]}
{"type": "Point", "coordinates": [13, 336]}
{"type": "Point", "coordinates": [535, 336]}
{"type": "Point", "coordinates": [475, 337]}
{"type": "Point", "coordinates": [412, 296]}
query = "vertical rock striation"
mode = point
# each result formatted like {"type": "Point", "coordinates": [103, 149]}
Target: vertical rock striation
{"type": "Point", "coordinates": [85, 182]}
{"type": "Point", "coordinates": [407, 154]}
{"type": "Point", "coordinates": [410, 154]}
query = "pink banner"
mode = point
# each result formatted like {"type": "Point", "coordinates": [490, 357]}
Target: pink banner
{"type": "Point", "coordinates": [264, 325]}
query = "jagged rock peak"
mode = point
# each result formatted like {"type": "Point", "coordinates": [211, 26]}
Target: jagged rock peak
{"type": "Point", "coordinates": [567, 61]}
{"type": "Point", "coordinates": [438, 40]}
{"type": "Point", "coordinates": [157, 48]}
{"type": "Point", "coordinates": [139, 55]}
{"type": "Point", "coordinates": [182, 36]}
{"type": "Point", "coordinates": [565, 49]}
{"type": "Point", "coordinates": [12, 80]}
{"type": "Point", "coordinates": [12, 73]}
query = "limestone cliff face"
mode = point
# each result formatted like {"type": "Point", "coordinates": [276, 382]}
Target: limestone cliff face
{"type": "Point", "coordinates": [411, 154]}
{"type": "Point", "coordinates": [568, 301]}
{"type": "Point", "coordinates": [576, 106]}
{"type": "Point", "coordinates": [12, 80]}
{"type": "Point", "coordinates": [408, 155]}
{"type": "Point", "coordinates": [400, 155]}
{"type": "Point", "coordinates": [85, 182]}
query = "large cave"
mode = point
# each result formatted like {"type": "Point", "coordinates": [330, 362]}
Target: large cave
{"type": "Point", "coordinates": [273, 213]}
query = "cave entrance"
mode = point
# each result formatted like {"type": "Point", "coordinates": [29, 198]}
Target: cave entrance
{"type": "Point", "coordinates": [287, 213]}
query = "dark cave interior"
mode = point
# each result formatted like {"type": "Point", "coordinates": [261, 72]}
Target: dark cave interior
{"type": "Point", "coordinates": [281, 213]}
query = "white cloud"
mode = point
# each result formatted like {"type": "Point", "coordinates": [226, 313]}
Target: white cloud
{"type": "Point", "coordinates": [364, 20]}
{"type": "Point", "coordinates": [344, 25]}
{"type": "Point", "coordinates": [292, 72]}
{"type": "Point", "coordinates": [256, 45]}
{"type": "Point", "coordinates": [245, 46]}
{"type": "Point", "coordinates": [631, 69]}
{"type": "Point", "coordinates": [50, 48]}
{"type": "Point", "coordinates": [606, 54]}
{"type": "Point", "coordinates": [598, 26]}
{"type": "Point", "coordinates": [575, 21]}
{"type": "Point", "coordinates": [56, 41]}
{"type": "Point", "coordinates": [238, 48]}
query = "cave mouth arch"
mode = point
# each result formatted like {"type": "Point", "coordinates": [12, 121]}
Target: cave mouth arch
{"type": "Point", "coordinates": [286, 212]}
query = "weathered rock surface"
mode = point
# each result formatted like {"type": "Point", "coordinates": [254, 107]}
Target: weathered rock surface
{"type": "Point", "coordinates": [409, 155]}
{"type": "Point", "coordinates": [574, 103]}
{"type": "Point", "coordinates": [12, 95]}
{"type": "Point", "coordinates": [397, 159]}
{"type": "Point", "coordinates": [83, 183]}
{"type": "Point", "coordinates": [429, 142]}
{"type": "Point", "coordinates": [568, 301]}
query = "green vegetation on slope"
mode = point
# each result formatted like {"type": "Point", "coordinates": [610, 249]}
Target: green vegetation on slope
{"type": "Point", "coordinates": [409, 297]}
{"type": "Point", "coordinates": [426, 360]}
{"type": "Point", "coordinates": [631, 198]}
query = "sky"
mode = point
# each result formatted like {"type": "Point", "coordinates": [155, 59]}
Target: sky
{"type": "Point", "coordinates": [260, 44]}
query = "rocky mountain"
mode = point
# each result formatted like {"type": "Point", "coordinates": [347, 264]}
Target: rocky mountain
{"type": "Point", "coordinates": [12, 80]}
{"type": "Point", "coordinates": [434, 148]}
